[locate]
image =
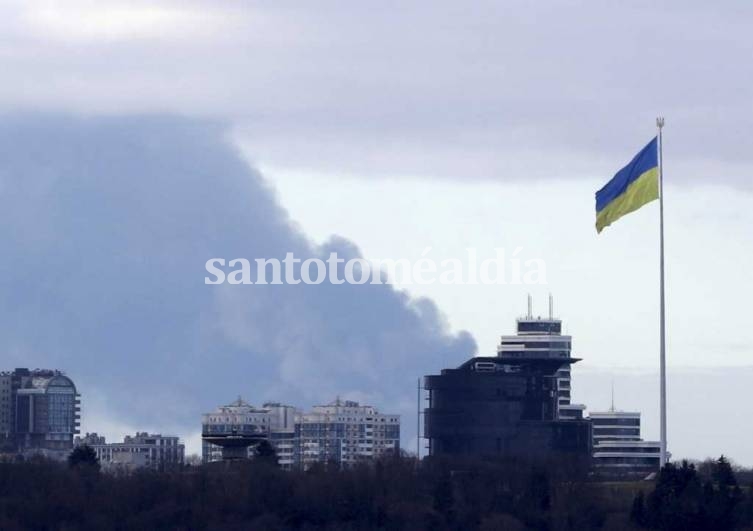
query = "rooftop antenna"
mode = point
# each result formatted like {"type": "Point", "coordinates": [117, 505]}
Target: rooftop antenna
{"type": "Point", "coordinates": [551, 306]}
{"type": "Point", "coordinates": [611, 409]}
{"type": "Point", "coordinates": [530, 307]}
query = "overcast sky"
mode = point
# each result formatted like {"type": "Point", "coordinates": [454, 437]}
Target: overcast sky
{"type": "Point", "coordinates": [404, 125]}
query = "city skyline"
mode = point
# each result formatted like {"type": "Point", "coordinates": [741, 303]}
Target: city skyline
{"type": "Point", "coordinates": [636, 380]}
{"type": "Point", "coordinates": [139, 141]}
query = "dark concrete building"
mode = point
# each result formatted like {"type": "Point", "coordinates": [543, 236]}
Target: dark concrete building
{"type": "Point", "coordinates": [502, 406]}
{"type": "Point", "coordinates": [543, 337]}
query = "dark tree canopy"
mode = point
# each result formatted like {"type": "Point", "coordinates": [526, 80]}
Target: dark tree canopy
{"type": "Point", "coordinates": [395, 493]}
{"type": "Point", "coordinates": [266, 453]}
{"type": "Point", "coordinates": [83, 456]}
{"type": "Point", "coordinates": [683, 500]}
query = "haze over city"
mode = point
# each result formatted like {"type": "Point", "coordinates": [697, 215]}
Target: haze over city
{"type": "Point", "coordinates": [138, 140]}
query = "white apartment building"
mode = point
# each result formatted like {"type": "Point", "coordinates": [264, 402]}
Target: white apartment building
{"type": "Point", "coordinates": [143, 450]}
{"type": "Point", "coordinates": [282, 433]}
{"type": "Point", "coordinates": [346, 433]}
{"type": "Point", "coordinates": [343, 432]}
{"type": "Point", "coordinates": [618, 449]}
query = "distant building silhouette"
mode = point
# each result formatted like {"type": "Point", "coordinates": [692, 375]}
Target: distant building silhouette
{"type": "Point", "coordinates": [39, 412]}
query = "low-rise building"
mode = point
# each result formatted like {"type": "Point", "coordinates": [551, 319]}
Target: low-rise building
{"type": "Point", "coordinates": [143, 450]}
{"type": "Point", "coordinates": [618, 450]}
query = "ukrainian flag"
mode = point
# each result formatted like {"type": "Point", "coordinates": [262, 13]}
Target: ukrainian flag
{"type": "Point", "coordinates": [634, 185]}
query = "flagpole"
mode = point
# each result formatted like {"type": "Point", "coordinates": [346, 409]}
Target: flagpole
{"type": "Point", "coordinates": [662, 331]}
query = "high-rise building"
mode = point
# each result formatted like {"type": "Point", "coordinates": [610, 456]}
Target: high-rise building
{"type": "Point", "coordinates": [618, 450]}
{"type": "Point", "coordinates": [514, 404]}
{"type": "Point", "coordinates": [504, 406]}
{"type": "Point", "coordinates": [39, 412]}
{"type": "Point", "coordinates": [343, 432]}
{"type": "Point", "coordinates": [542, 337]}
{"type": "Point", "coordinates": [346, 433]}
{"type": "Point", "coordinates": [6, 418]}
{"type": "Point", "coordinates": [143, 450]}
{"type": "Point", "coordinates": [282, 433]}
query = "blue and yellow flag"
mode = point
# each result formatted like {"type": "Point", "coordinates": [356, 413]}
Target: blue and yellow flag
{"type": "Point", "coordinates": [634, 185]}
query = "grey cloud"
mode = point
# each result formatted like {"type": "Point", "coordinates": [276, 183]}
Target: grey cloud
{"type": "Point", "coordinates": [494, 90]}
{"type": "Point", "coordinates": [106, 224]}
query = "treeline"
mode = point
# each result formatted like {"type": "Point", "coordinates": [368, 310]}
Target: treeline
{"type": "Point", "coordinates": [684, 499]}
{"type": "Point", "coordinates": [390, 494]}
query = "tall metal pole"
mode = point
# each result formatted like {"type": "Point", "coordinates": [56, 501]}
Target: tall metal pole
{"type": "Point", "coordinates": [662, 331]}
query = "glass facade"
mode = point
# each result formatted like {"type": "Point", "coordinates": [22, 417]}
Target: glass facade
{"type": "Point", "coordinates": [614, 432]}
{"type": "Point", "coordinates": [60, 412]}
{"type": "Point", "coordinates": [44, 412]}
{"type": "Point", "coordinates": [540, 327]}
{"type": "Point", "coordinates": [612, 421]}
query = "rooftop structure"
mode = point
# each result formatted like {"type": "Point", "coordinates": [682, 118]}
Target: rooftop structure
{"type": "Point", "coordinates": [542, 337]}
{"type": "Point", "coordinates": [235, 427]}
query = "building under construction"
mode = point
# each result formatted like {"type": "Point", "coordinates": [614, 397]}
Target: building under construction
{"type": "Point", "coordinates": [509, 404]}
